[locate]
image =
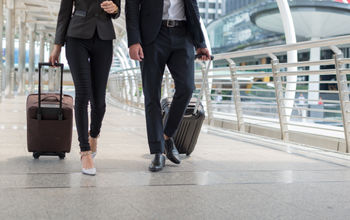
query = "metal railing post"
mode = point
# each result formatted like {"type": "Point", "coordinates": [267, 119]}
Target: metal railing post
{"type": "Point", "coordinates": [207, 93]}
{"type": "Point", "coordinates": [126, 98]}
{"type": "Point", "coordinates": [236, 96]}
{"type": "Point", "coordinates": [277, 79]}
{"type": "Point", "coordinates": [51, 76]}
{"type": "Point", "coordinates": [343, 95]}
{"type": "Point", "coordinates": [138, 95]}
{"type": "Point", "coordinates": [119, 88]}
{"type": "Point", "coordinates": [167, 84]}
{"type": "Point", "coordinates": [58, 80]}
{"type": "Point", "coordinates": [131, 88]}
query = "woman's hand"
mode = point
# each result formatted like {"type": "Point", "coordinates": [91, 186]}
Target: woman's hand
{"type": "Point", "coordinates": [55, 54]}
{"type": "Point", "coordinates": [109, 7]}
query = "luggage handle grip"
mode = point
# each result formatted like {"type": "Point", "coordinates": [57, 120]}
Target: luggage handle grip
{"type": "Point", "coordinates": [205, 75]}
{"type": "Point", "coordinates": [198, 56]}
{"type": "Point", "coordinates": [61, 65]}
{"type": "Point", "coordinates": [47, 98]}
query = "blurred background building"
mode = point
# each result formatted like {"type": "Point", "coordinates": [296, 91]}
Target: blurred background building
{"type": "Point", "coordinates": [254, 24]}
{"type": "Point", "coordinates": [257, 23]}
{"type": "Point", "coordinates": [211, 10]}
{"type": "Point", "coordinates": [232, 5]}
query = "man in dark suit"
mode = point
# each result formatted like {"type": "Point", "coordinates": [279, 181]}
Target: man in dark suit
{"type": "Point", "coordinates": [164, 32]}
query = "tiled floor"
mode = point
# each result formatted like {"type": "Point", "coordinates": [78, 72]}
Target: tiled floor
{"type": "Point", "coordinates": [229, 176]}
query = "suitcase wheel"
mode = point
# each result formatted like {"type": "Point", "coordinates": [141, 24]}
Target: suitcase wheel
{"type": "Point", "coordinates": [36, 155]}
{"type": "Point", "coordinates": [62, 155]}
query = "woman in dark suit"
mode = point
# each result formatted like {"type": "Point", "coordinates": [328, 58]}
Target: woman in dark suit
{"type": "Point", "coordinates": [88, 33]}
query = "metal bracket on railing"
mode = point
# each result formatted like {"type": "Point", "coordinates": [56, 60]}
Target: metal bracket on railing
{"type": "Point", "coordinates": [343, 94]}
{"type": "Point", "coordinates": [236, 95]}
{"type": "Point", "coordinates": [277, 79]}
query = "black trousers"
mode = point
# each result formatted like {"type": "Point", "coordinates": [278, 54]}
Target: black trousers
{"type": "Point", "coordinates": [89, 62]}
{"type": "Point", "coordinates": [174, 48]}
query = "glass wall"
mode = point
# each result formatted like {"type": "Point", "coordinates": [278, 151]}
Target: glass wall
{"type": "Point", "coordinates": [236, 31]}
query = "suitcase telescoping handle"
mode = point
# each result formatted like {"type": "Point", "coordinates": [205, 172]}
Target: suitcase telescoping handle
{"type": "Point", "coordinates": [60, 114]}
{"type": "Point", "coordinates": [204, 79]}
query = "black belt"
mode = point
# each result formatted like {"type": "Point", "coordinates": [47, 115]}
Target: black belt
{"type": "Point", "coordinates": [173, 23]}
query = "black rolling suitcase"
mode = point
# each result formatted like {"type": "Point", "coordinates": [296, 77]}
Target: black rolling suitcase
{"type": "Point", "coordinates": [49, 121]}
{"type": "Point", "coordinates": [187, 134]}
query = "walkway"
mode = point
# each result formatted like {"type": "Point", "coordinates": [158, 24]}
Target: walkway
{"type": "Point", "coordinates": [225, 178]}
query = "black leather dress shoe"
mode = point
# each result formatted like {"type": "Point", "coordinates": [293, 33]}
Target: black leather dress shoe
{"type": "Point", "coordinates": [157, 163]}
{"type": "Point", "coordinates": [171, 152]}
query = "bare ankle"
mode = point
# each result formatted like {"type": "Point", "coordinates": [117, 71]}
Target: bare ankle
{"type": "Point", "coordinates": [85, 153]}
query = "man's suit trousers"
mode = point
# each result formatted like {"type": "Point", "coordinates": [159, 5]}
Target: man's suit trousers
{"type": "Point", "coordinates": [173, 47]}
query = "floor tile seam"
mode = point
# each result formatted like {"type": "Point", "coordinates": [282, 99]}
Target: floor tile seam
{"type": "Point", "coordinates": [176, 185]}
{"type": "Point", "coordinates": [110, 170]}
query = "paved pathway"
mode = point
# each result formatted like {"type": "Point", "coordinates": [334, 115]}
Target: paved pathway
{"type": "Point", "coordinates": [229, 176]}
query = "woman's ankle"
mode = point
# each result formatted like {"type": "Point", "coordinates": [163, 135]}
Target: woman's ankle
{"type": "Point", "coordinates": [93, 144]}
{"type": "Point", "coordinates": [93, 135]}
{"type": "Point", "coordinates": [86, 159]}
{"type": "Point", "coordinates": [85, 153]}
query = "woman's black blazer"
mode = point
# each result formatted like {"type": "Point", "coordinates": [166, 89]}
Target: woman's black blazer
{"type": "Point", "coordinates": [82, 22]}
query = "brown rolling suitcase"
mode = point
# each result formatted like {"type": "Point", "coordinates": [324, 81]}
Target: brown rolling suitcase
{"type": "Point", "coordinates": [189, 129]}
{"type": "Point", "coordinates": [49, 121]}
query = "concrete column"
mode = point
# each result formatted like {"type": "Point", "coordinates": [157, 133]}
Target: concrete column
{"type": "Point", "coordinates": [42, 47]}
{"type": "Point", "coordinates": [22, 57]}
{"type": "Point", "coordinates": [1, 52]}
{"type": "Point", "coordinates": [53, 74]}
{"type": "Point", "coordinates": [9, 80]}
{"type": "Point", "coordinates": [10, 75]}
{"type": "Point", "coordinates": [31, 72]}
{"type": "Point", "coordinates": [51, 44]}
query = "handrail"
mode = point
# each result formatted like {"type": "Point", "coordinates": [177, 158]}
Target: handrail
{"type": "Point", "coordinates": [236, 97]}
{"type": "Point", "coordinates": [284, 48]}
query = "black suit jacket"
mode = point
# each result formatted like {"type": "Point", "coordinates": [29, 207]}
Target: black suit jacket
{"type": "Point", "coordinates": [144, 17]}
{"type": "Point", "coordinates": [82, 22]}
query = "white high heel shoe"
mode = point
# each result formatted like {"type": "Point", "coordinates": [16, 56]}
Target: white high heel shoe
{"type": "Point", "coordinates": [90, 171]}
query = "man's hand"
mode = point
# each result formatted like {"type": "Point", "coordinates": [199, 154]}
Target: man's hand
{"type": "Point", "coordinates": [205, 52]}
{"type": "Point", "coordinates": [136, 52]}
{"type": "Point", "coordinates": [109, 7]}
